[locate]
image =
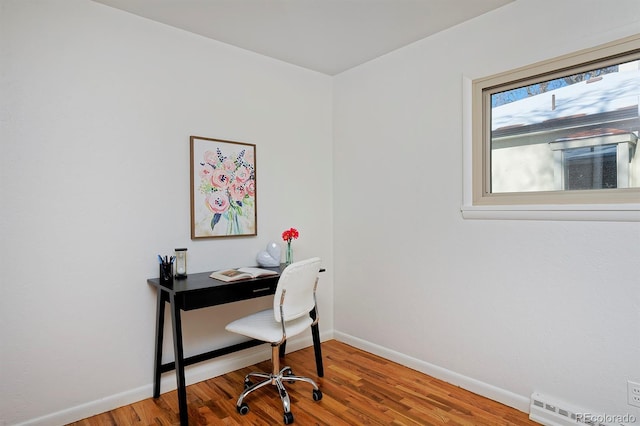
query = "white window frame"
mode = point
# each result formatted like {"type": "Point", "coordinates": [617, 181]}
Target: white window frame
{"type": "Point", "coordinates": [621, 204]}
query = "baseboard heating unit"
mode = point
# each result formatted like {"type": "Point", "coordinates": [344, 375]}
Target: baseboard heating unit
{"type": "Point", "coordinates": [552, 412]}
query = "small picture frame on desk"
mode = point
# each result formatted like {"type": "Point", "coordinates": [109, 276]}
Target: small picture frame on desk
{"type": "Point", "coordinates": [223, 188]}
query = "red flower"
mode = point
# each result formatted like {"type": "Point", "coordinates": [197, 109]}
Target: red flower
{"type": "Point", "coordinates": [290, 234]}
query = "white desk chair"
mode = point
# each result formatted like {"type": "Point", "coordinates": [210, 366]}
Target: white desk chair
{"type": "Point", "coordinates": [295, 297]}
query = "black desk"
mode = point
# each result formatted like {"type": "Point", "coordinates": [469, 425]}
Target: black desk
{"type": "Point", "coordinates": [199, 291]}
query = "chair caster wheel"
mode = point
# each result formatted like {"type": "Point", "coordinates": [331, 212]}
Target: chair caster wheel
{"type": "Point", "coordinates": [247, 384]}
{"type": "Point", "coordinates": [317, 395]}
{"type": "Point", "coordinates": [289, 373]}
{"type": "Point", "coordinates": [288, 418]}
{"type": "Point", "coordinates": [243, 408]}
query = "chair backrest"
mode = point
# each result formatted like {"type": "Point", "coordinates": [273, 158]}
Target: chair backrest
{"type": "Point", "coordinates": [298, 281]}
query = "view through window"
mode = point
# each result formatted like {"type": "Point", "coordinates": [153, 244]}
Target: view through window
{"type": "Point", "coordinates": [576, 131]}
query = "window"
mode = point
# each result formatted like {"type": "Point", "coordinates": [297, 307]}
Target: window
{"type": "Point", "coordinates": [598, 161]}
{"type": "Point", "coordinates": [589, 168]}
{"type": "Point", "coordinates": [561, 132]}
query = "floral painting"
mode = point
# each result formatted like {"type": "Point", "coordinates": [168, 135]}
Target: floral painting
{"type": "Point", "coordinates": [223, 188]}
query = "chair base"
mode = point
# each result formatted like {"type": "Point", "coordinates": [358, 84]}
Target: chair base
{"type": "Point", "coordinates": [277, 379]}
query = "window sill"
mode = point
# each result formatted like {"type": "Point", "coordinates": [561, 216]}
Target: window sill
{"type": "Point", "coordinates": [592, 212]}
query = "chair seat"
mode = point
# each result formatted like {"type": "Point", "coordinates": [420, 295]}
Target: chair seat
{"type": "Point", "coordinates": [263, 326]}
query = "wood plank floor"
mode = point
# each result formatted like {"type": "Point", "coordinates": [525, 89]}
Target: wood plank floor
{"type": "Point", "coordinates": [359, 388]}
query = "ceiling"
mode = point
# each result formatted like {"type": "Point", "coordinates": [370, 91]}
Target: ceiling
{"type": "Point", "coordinates": [328, 36]}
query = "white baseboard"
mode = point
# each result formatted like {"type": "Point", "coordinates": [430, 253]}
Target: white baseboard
{"type": "Point", "coordinates": [206, 370]}
{"type": "Point", "coordinates": [503, 396]}
{"type": "Point", "coordinates": [193, 374]}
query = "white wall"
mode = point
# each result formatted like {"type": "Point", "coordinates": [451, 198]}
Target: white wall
{"type": "Point", "coordinates": [505, 308]}
{"type": "Point", "coordinates": [96, 111]}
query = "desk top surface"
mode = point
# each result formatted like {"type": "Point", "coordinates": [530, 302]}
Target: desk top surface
{"type": "Point", "coordinates": [201, 280]}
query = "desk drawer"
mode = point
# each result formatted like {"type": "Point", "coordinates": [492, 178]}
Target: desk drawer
{"type": "Point", "coordinates": [232, 292]}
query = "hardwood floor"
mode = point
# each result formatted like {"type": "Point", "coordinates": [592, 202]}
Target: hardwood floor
{"type": "Point", "coordinates": [359, 388]}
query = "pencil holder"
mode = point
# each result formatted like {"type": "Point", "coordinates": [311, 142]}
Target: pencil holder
{"type": "Point", "coordinates": [166, 274]}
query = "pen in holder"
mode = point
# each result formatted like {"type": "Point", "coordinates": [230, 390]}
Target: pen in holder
{"type": "Point", "coordinates": [166, 270]}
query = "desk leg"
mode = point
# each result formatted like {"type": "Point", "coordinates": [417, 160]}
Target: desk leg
{"type": "Point", "coordinates": [158, 349]}
{"type": "Point", "coordinates": [315, 333]}
{"type": "Point", "coordinates": [179, 361]}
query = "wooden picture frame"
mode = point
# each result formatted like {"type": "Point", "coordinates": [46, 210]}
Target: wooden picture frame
{"type": "Point", "coordinates": [223, 188]}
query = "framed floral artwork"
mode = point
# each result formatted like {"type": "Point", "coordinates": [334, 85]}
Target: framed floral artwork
{"type": "Point", "coordinates": [223, 188]}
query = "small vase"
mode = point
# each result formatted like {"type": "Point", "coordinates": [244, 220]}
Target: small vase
{"type": "Point", "coordinates": [289, 255]}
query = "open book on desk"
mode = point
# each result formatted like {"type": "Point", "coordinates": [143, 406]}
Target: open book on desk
{"type": "Point", "coordinates": [228, 275]}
